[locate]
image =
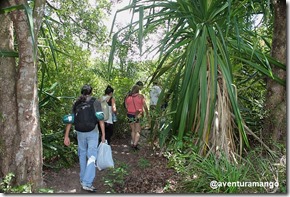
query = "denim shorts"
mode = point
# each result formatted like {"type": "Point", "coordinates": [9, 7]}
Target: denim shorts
{"type": "Point", "coordinates": [132, 119]}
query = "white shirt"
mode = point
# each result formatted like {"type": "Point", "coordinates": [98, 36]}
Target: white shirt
{"type": "Point", "coordinates": [154, 94]}
{"type": "Point", "coordinates": [110, 120]}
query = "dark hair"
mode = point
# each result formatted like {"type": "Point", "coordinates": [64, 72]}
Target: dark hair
{"type": "Point", "coordinates": [109, 89]}
{"type": "Point", "coordinates": [135, 89]}
{"type": "Point", "coordinates": [140, 83]}
{"type": "Point", "coordinates": [85, 91]}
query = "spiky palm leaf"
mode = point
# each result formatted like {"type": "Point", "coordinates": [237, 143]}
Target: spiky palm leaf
{"type": "Point", "coordinates": [200, 34]}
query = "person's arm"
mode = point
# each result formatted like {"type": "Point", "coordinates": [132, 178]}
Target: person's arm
{"type": "Point", "coordinates": [102, 126]}
{"type": "Point", "coordinates": [98, 108]}
{"type": "Point", "coordinates": [145, 106]}
{"type": "Point", "coordinates": [114, 108]}
{"type": "Point", "coordinates": [66, 140]}
{"type": "Point", "coordinates": [159, 91]}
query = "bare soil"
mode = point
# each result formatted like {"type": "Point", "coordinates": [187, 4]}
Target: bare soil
{"type": "Point", "coordinates": [147, 172]}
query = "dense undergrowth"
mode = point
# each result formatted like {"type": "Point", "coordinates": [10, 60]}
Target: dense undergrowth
{"type": "Point", "coordinates": [255, 172]}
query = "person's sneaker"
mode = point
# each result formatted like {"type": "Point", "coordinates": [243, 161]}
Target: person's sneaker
{"type": "Point", "coordinates": [89, 188]}
{"type": "Point", "coordinates": [136, 148]}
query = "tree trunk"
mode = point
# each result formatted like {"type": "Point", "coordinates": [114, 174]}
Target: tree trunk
{"type": "Point", "coordinates": [275, 124]}
{"type": "Point", "coordinates": [20, 140]}
{"type": "Point", "coordinates": [9, 135]}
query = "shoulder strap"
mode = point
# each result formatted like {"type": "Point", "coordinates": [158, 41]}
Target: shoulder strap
{"type": "Point", "coordinates": [93, 99]}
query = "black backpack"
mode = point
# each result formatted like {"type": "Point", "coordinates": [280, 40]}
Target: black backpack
{"type": "Point", "coordinates": [85, 119]}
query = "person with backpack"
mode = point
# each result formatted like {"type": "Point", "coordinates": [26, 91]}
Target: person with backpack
{"type": "Point", "coordinates": [112, 110]}
{"type": "Point", "coordinates": [85, 121]}
{"type": "Point", "coordinates": [135, 105]}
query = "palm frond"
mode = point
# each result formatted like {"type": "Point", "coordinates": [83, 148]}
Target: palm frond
{"type": "Point", "coordinates": [198, 39]}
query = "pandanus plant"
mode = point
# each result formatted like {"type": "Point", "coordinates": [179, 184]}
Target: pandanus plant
{"type": "Point", "coordinates": [194, 53]}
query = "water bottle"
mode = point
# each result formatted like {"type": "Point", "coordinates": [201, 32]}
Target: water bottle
{"type": "Point", "coordinates": [114, 117]}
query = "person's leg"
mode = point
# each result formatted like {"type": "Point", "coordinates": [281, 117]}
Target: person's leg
{"type": "Point", "coordinates": [109, 132]}
{"type": "Point", "coordinates": [82, 153]}
{"type": "Point", "coordinates": [131, 120]}
{"type": "Point", "coordinates": [137, 130]}
{"type": "Point", "coordinates": [132, 126]}
{"type": "Point", "coordinates": [92, 142]}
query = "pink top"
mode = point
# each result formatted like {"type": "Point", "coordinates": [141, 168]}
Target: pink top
{"type": "Point", "coordinates": [138, 101]}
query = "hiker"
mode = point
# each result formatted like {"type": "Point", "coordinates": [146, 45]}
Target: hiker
{"type": "Point", "coordinates": [154, 94]}
{"type": "Point", "coordinates": [138, 83]}
{"type": "Point", "coordinates": [109, 124]}
{"type": "Point", "coordinates": [85, 122]}
{"type": "Point", "coordinates": [135, 105]}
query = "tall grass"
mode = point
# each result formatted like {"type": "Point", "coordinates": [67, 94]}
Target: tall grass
{"type": "Point", "coordinates": [255, 173]}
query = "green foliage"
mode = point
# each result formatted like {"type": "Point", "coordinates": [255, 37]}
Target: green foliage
{"type": "Point", "coordinates": [204, 41]}
{"type": "Point", "coordinates": [143, 163]}
{"type": "Point", "coordinates": [65, 66]}
{"type": "Point", "coordinates": [79, 19]}
{"type": "Point", "coordinates": [45, 191]}
{"type": "Point", "coordinates": [6, 185]}
{"type": "Point", "coordinates": [116, 177]}
{"type": "Point", "coordinates": [251, 93]}
{"type": "Point", "coordinates": [55, 154]}
{"type": "Point", "coordinates": [201, 43]}
{"type": "Point", "coordinates": [200, 172]}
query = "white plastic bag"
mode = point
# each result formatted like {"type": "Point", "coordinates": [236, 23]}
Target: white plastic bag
{"type": "Point", "coordinates": [104, 158]}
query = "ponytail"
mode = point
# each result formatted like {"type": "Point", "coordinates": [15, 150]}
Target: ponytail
{"type": "Point", "coordinates": [85, 92]}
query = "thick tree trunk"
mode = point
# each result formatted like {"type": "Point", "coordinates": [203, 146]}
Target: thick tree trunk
{"type": "Point", "coordinates": [275, 125]}
{"type": "Point", "coordinates": [9, 134]}
{"type": "Point", "coordinates": [29, 154]}
{"type": "Point", "coordinates": [20, 141]}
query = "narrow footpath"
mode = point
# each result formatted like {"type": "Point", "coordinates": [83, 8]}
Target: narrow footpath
{"type": "Point", "coordinates": [142, 171]}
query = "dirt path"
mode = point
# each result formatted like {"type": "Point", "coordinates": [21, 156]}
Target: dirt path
{"type": "Point", "coordinates": [147, 172]}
